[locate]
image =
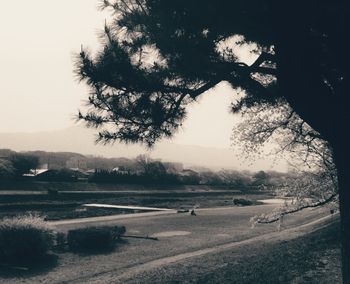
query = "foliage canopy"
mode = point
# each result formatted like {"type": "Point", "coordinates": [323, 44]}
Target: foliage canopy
{"type": "Point", "coordinates": [159, 56]}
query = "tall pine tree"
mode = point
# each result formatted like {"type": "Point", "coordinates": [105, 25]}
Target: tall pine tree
{"type": "Point", "coordinates": [159, 56]}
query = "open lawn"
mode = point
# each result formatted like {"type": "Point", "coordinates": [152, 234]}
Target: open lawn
{"type": "Point", "coordinates": [312, 258]}
{"type": "Point", "coordinates": [179, 234]}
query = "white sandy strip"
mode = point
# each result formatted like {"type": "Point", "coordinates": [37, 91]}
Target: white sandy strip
{"type": "Point", "coordinates": [110, 218]}
{"type": "Point", "coordinates": [288, 234]}
{"type": "Point", "coordinates": [275, 201]}
{"type": "Point", "coordinates": [125, 207]}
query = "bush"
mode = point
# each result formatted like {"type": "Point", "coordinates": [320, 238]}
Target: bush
{"type": "Point", "coordinates": [94, 238]}
{"type": "Point", "coordinates": [24, 238]}
{"type": "Point", "coordinates": [242, 202]}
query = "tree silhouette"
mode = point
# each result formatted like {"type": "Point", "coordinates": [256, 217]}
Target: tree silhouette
{"type": "Point", "coordinates": [7, 171]}
{"type": "Point", "coordinates": [159, 56]}
{"type": "Point", "coordinates": [23, 163]}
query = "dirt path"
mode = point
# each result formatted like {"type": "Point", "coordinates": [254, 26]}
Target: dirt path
{"type": "Point", "coordinates": [109, 218]}
{"type": "Point", "coordinates": [88, 220]}
{"type": "Point", "coordinates": [287, 234]}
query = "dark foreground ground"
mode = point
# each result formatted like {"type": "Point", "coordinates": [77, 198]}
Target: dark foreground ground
{"type": "Point", "coordinates": [312, 258]}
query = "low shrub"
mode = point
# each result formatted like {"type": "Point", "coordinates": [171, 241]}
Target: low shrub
{"type": "Point", "coordinates": [242, 202]}
{"type": "Point", "coordinates": [24, 238]}
{"type": "Point", "coordinates": [94, 238]}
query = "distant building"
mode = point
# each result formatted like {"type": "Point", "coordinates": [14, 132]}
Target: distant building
{"type": "Point", "coordinates": [35, 172]}
{"type": "Point", "coordinates": [62, 175]}
{"type": "Point", "coordinates": [121, 170]}
{"type": "Point", "coordinates": [76, 162]}
{"type": "Point", "coordinates": [91, 171]}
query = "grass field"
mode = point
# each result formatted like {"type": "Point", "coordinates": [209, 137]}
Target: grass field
{"type": "Point", "coordinates": [209, 229]}
{"type": "Point", "coordinates": [314, 258]}
{"type": "Point", "coordinates": [63, 200]}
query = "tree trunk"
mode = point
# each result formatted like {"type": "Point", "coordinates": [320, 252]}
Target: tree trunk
{"type": "Point", "coordinates": [330, 119]}
{"type": "Point", "coordinates": [299, 58]}
{"type": "Point", "coordinates": [341, 154]}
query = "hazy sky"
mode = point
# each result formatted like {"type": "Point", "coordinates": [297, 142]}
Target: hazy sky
{"type": "Point", "coordinates": [38, 90]}
{"type": "Point", "coordinates": [38, 38]}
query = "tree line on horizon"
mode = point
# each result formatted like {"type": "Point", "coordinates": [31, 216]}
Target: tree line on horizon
{"type": "Point", "coordinates": [66, 166]}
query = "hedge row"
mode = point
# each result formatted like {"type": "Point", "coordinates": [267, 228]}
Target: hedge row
{"type": "Point", "coordinates": [24, 238]}
{"type": "Point", "coordinates": [94, 238]}
{"type": "Point", "coordinates": [29, 238]}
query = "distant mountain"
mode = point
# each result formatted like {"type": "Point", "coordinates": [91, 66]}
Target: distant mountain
{"type": "Point", "coordinates": [81, 140]}
{"type": "Point", "coordinates": [73, 139]}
